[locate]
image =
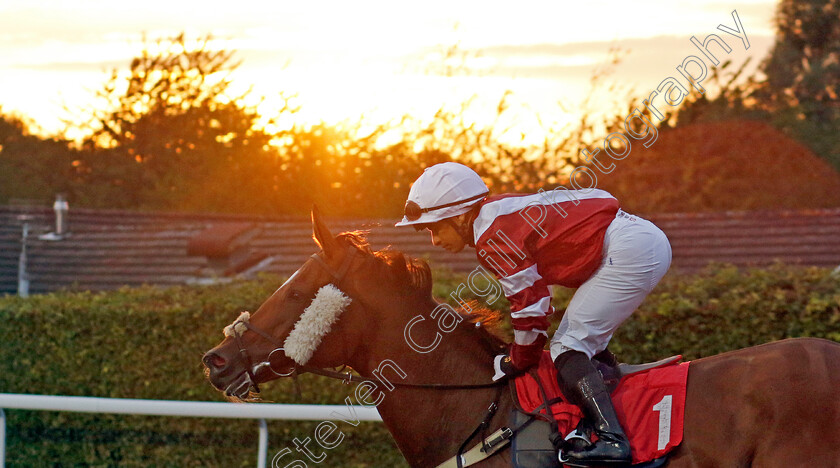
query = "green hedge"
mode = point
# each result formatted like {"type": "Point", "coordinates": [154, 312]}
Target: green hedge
{"type": "Point", "coordinates": [720, 309]}
{"type": "Point", "coordinates": [725, 309]}
{"type": "Point", "coordinates": [147, 343]}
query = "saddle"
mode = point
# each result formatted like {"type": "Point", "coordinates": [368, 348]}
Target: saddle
{"type": "Point", "coordinates": [613, 374]}
{"type": "Point", "coordinates": [636, 391]}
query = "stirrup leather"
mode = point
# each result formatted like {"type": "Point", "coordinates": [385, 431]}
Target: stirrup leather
{"type": "Point", "coordinates": [495, 442]}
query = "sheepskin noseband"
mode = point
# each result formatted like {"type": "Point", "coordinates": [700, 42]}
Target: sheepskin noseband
{"type": "Point", "coordinates": [238, 326]}
{"type": "Point", "coordinates": [315, 323]}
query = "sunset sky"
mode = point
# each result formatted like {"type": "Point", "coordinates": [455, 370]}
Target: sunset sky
{"type": "Point", "coordinates": [374, 57]}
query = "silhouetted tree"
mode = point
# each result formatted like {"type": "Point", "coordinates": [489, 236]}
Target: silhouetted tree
{"type": "Point", "coordinates": [803, 74]}
{"type": "Point", "coordinates": [798, 91]}
{"type": "Point", "coordinates": [171, 135]}
{"type": "Point", "coordinates": [803, 69]}
{"type": "Point", "coordinates": [32, 167]}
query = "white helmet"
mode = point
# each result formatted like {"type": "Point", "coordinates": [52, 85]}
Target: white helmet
{"type": "Point", "coordinates": [443, 191]}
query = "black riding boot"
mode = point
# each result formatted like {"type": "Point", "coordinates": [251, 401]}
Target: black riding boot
{"type": "Point", "coordinates": [607, 357]}
{"type": "Point", "coordinates": [583, 386]}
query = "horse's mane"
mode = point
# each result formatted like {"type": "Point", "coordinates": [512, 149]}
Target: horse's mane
{"type": "Point", "coordinates": [415, 275]}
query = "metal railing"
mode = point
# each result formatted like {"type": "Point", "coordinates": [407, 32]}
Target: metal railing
{"type": "Point", "coordinates": [197, 409]}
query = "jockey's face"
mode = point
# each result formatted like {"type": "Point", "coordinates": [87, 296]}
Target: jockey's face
{"type": "Point", "coordinates": [444, 235]}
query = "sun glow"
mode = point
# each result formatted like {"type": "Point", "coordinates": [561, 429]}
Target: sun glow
{"type": "Point", "coordinates": [373, 58]}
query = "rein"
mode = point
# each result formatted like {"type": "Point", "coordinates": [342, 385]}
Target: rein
{"type": "Point", "coordinates": [345, 377]}
{"type": "Point", "coordinates": [488, 445]}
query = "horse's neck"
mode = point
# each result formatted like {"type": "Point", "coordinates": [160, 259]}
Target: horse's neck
{"type": "Point", "coordinates": [430, 424]}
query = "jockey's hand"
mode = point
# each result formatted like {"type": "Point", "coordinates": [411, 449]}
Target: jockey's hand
{"type": "Point", "coordinates": [504, 367]}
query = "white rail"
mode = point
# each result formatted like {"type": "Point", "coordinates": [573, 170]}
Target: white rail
{"type": "Point", "coordinates": [198, 409]}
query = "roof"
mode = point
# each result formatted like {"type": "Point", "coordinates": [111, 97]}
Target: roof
{"type": "Point", "coordinates": [107, 249]}
{"type": "Point", "coordinates": [753, 238]}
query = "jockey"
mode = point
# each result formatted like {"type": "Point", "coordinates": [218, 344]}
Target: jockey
{"type": "Point", "coordinates": [573, 238]}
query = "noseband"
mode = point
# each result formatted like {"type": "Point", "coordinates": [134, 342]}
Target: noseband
{"type": "Point", "coordinates": [488, 446]}
{"type": "Point", "coordinates": [346, 377]}
{"type": "Point", "coordinates": [243, 321]}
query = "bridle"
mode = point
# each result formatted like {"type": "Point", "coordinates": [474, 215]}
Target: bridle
{"type": "Point", "coordinates": [488, 446]}
{"type": "Point", "coordinates": [346, 377]}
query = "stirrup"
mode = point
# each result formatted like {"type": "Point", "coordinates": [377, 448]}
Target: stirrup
{"type": "Point", "coordinates": [575, 438]}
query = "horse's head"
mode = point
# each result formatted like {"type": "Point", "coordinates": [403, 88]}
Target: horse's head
{"type": "Point", "coordinates": [324, 315]}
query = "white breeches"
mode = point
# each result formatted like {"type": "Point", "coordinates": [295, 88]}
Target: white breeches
{"type": "Point", "coordinates": [636, 256]}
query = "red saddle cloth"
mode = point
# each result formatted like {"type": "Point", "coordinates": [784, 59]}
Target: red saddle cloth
{"type": "Point", "coordinates": [650, 406]}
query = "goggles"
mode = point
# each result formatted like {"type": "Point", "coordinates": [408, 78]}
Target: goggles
{"type": "Point", "coordinates": [413, 211]}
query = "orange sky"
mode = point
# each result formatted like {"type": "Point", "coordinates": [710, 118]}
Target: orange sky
{"type": "Point", "coordinates": [376, 57]}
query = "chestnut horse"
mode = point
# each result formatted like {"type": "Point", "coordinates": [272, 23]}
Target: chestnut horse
{"type": "Point", "coordinates": [773, 405]}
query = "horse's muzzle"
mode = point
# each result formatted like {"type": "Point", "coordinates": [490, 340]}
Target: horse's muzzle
{"type": "Point", "coordinates": [221, 371]}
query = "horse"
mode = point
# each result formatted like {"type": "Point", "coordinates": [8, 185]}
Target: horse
{"type": "Point", "coordinates": [772, 405]}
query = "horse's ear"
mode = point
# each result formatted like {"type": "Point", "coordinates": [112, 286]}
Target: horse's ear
{"type": "Point", "coordinates": [322, 235]}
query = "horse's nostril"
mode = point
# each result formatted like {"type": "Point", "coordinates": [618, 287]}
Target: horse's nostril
{"type": "Point", "coordinates": [213, 360]}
